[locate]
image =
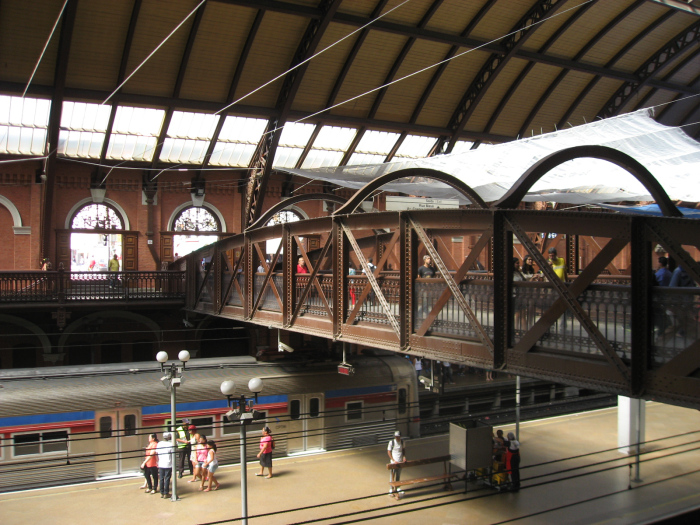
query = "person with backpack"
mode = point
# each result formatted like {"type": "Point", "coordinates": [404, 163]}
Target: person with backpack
{"type": "Point", "coordinates": [267, 445]}
{"type": "Point", "coordinates": [397, 454]}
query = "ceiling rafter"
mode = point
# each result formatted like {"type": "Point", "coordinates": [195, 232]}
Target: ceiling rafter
{"type": "Point", "coordinates": [450, 39]}
{"type": "Point", "coordinates": [344, 72]}
{"type": "Point", "coordinates": [97, 180]}
{"type": "Point", "coordinates": [530, 66]}
{"type": "Point", "coordinates": [443, 66]}
{"type": "Point", "coordinates": [669, 53]}
{"type": "Point", "coordinates": [261, 164]}
{"type": "Point", "coordinates": [687, 61]}
{"type": "Point", "coordinates": [245, 53]}
{"type": "Point", "coordinates": [621, 53]}
{"type": "Point", "coordinates": [518, 35]}
{"type": "Point", "coordinates": [54, 127]}
{"type": "Point", "coordinates": [187, 52]}
{"type": "Point", "coordinates": [597, 38]}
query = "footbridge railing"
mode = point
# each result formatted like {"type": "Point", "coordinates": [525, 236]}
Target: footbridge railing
{"type": "Point", "coordinates": [612, 331]}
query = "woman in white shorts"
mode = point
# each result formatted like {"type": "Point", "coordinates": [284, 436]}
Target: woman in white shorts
{"type": "Point", "coordinates": [210, 466]}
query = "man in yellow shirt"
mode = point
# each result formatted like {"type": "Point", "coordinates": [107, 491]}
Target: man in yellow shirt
{"type": "Point", "coordinates": [558, 264]}
{"type": "Point", "coordinates": [113, 267]}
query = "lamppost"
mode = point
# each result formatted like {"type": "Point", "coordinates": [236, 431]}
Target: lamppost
{"type": "Point", "coordinates": [245, 416]}
{"type": "Point", "coordinates": [172, 379]}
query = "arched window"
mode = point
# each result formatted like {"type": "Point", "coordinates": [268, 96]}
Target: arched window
{"type": "Point", "coordinates": [284, 217]}
{"type": "Point", "coordinates": [196, 220]}
{"type": "Point", "coordinates": [97, 217]}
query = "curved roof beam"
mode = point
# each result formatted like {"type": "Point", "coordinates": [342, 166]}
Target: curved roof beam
{"type": "Point", "coordinates": [97, 176]}
{"type": "Point", "coordinates": [621, 53]}
{"type": "Point", "coordinates": [663, 57]}
{"type": "Point", "coordinates": [286, 203]}
{"type": "Point", "coordinates": [445, 62]}
{"type": "Point", "coordinates": [245, 52]}
{"type": "Point", "coordinates": [515, 195]}
{"type": "Point", "coordinates": [493, 66]}
{"type": "Point", "coordinates": [54, 127]}
{"type": "Point", "coordinates": [687, 62]}
{"type": "Point", "coordinates": [560, 77]}
{"type": "Point", "coordinates": [366, 190]}
{"type": "Point", "coordinates": [530, 65]}
{"type": "Point", "coordinates": [261, 163]}
{"type": "Point", "coordinates": [178, 84]}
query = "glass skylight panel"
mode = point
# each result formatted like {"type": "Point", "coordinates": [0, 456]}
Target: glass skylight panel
{"type": "Point", "coordinates": [461, 146]}
{"type": "Point", "coordinates": [23, 124]}
{"type": "Point", "coordinates": [373, 147]}
{"type": "Point", "coordinates": [188, 137]}
{"type": "Point", "coordinates": [238, 139]}
{"type": "Point", "coordinates": [135, 133]}
{"type": "Point", "coordinates": [415, 147]}
{"type": "Point", "coordinates": [294, 138]}
{"type": "Point", "coordinates": [329, 147]}
{"type": "Point", "coordinates": [83, 128]}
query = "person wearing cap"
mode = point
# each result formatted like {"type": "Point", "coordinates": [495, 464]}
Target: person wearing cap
{"type": "Point", "coordinates": [513, 460]}
{"type": "Point", "coordinates": [397, 454]}
{"type": "Point", "coordinates": [165, 452]}
{"type": "Point", "coordinates": [183, 445]}
{"type": "Point", "coordinates": [558, 264]}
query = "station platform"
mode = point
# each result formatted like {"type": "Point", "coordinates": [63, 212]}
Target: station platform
{"type": "Point", "coordinates": [571, 473]}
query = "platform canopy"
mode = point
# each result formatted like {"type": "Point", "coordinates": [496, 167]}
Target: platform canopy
{"type": "Point", "coordinates": [491, 170]}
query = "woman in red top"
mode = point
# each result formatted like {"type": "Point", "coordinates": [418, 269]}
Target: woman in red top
{"type": "Point", "coordinates": [301, 266]}
{"type": "Point", "coordinates": [265, 454]}
{"type": "Point", "coordinates": [150, 465]}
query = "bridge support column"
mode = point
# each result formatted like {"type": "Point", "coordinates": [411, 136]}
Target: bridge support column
{"type": "Point", "coordinates": [631, 418]}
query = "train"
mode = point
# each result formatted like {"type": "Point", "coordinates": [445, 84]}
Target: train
{"type": "Point", "coordinates": [84, 423]}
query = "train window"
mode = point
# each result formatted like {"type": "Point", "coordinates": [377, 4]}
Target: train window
{"type": "Point", "coordinates": [402, 401]}
{"type": "Point", "coordinates": [106, 427]}
{"type": "Point", "coordinates": [27, 444]}
{"type": "Point", "coordinates": [295, 409]}
{"type": "Point", "coordinates": [54, 441]}
{"type": "Point", "coordinates": [130, 425]}
{"type": "Point", "coordinates": [314, 407]}
{"type": "Point", "coordinates": [353, 411]}
{"type": "Point", "coordinates": [40, 443]}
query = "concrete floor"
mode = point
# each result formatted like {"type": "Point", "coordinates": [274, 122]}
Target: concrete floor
{"type": "Point", "coordinates": [584, 489]}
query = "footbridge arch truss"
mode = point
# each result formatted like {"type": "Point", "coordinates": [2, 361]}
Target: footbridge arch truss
{"type": "Point", "coordinates": [602, 328]}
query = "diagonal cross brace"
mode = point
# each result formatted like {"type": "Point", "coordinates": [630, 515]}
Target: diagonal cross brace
{"type": "Point", "coordinates": [571, 301]}
{"type": "Point", "coordinates": [372, 280]}
{"type": "Point", "coordinates": [454, 288]}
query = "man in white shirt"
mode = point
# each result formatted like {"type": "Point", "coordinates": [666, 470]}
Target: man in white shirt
{"type": "Point", "coordinates": [397, 454]}
{"type": "Point", "coordinates": [165, 451]}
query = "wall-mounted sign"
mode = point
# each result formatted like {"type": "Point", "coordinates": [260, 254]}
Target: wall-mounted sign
{"type": "Point", "coordinates": [419, 203]}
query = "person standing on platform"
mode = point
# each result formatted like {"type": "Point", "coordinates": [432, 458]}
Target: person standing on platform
{"type": "Point", "coordinates": [113, 268]}
{"type": "Point", "coordinates": [150, 465]}
{"type": "Point", "coordinates": [447, 372]}
{"type": "Point", "coordinates": [397, 454]}
{"type": "Point", "coordinates": [301, 266]}
{"type": "Point", "coordinates": [194, 443]}
{"type": "Point", "coordinates": [513, 460]}
{"type": "Point", "coordinates": [267, 444]}
{"type": "Point", "coordinates": [183, 446]}
{"type": "Point", "coordinates": [165, 451]}
{"type": "Point", "coordinates": [210, 466]}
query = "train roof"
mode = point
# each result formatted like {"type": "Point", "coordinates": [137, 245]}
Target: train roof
{"type": "Point", "coordinates": [105, 387]}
